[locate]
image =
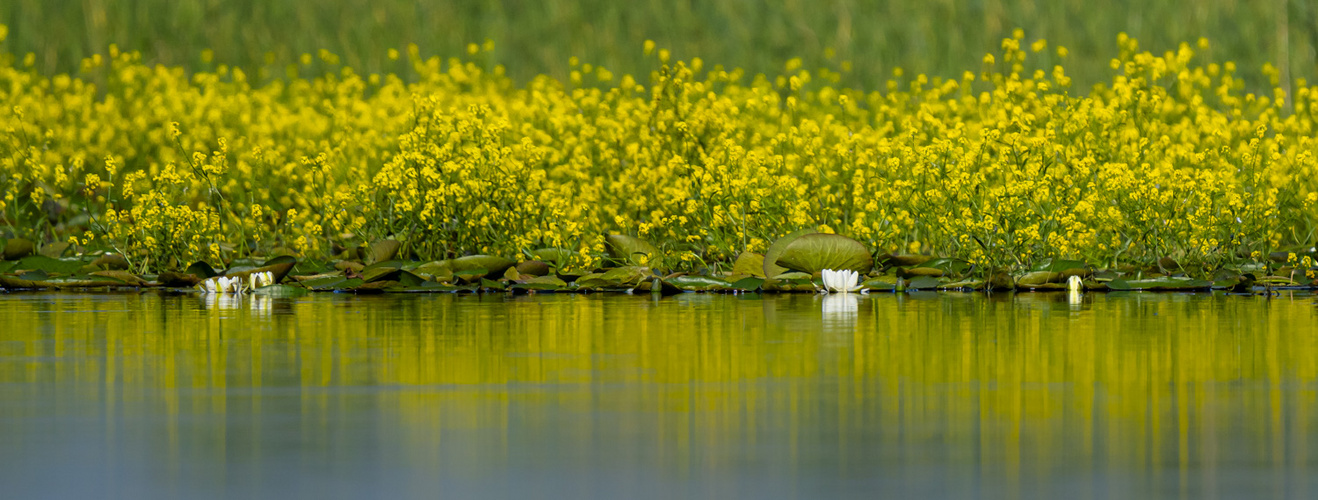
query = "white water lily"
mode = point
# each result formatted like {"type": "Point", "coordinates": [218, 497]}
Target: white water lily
{"type": "Point", "coordinates": [1074, 284]}
{"type": "Point", "coordinates": [222, 285]}
{"type": "Point", "coordinates": [843, 281]}
{"type": "Point", "coordinates": [258, 280]}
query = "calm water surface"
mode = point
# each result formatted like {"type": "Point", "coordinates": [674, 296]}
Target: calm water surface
{"type": "Point", "coordinates": [429, 396]}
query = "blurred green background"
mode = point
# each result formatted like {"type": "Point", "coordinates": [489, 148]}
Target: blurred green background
{"type": "Point", "coordinates": [938, 37]}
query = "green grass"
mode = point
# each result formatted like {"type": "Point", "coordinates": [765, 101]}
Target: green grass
{"type": "Point", "coordinates": [939, 37]}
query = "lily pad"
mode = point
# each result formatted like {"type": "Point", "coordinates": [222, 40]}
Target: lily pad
{"type": "Point", "coordinates": [924, 283]}
{"type": "Point", "coordinates": [921, 271]}
{"type": "Point", "coordinates": [698, 283]}
{"type": "Point", "coordinates": [626, 276]}
{"type": "Point", "coordinates": [177, 280]}
{"type": "Point", "coordinates": [813, 253]}
{"type": "Point", "coordinates": [494, 266]}
{"type": "Point", "coordinates": [533, 268]}
{"type": "Point", "coordinates": [632, 250]}
{"type": "Point", "coordinates": [953, 267]}
{"type": "Point", "coordinates": [748, 284]}
{"type": "Point", "coordinates": [885, 283]}
{"type": "Point", "coordinates": [540, 283]}
{"type": "Point", "coordinates": [280, 291]}
{"type": "Point", "coordinates": [124, 276]}
{"type": "Point", "coordinates": [749, 263]}
{"type": "Point", "coordinates": [380, 251]}
{"type": "Point", "coordinates": [771, 268]}
{"type": "Point", "coordinates": [201, 270]}
{"type": "Point", "coordinates": [17, 248]}
{"type": "Point", "coordinates": [1169, 283]}
{"type": "Point", "coordinates": [492, 285]}
{"type": "Point", "coordinates": [49, 265]}
{"type": "Point", "coordinates": [111, 261]}
{"type": "Point", "coordinates": [1037, 278]}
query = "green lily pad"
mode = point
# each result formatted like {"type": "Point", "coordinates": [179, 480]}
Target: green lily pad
{"type": "Point", "coordinates": [955, 267]}
{"type": "Point", "coordinates": [632, 250]}
{"type": "Point", "coordinates": [750, 263]}
{"type": "Point", "coordinates": [698, 283]}
{"type": "Point", "coordinates": [1169, 283]}
{"type": "Point", "coordinates": [124, 276]}
{"type": "Point", "coordinates": [494, 266]}
{"type": "Point", "coordinates": [771, 268]}
{"type": "Point", "coordinates": [922, 271]}
{"type": "Point", "coordinates": [1058, 265]}
{"type": "Point", "coordinates": [177, 280]}
{"type": "Point", "coordinates": [626, 276]}
{"type": "Point", "coordinates": [492, 285]}
{"type": "Point", "coordinates": [540, 283]}
{"type": "Point", "coordinates": [280, 291]}
{"type": "Point", "coordinates": [885, 283]}
{"type": "Point", "coordinates": [1037, 278]}
{"type": "Point", "coordinates": [533, 268]}
{"type": "Point", "coordinates": [201, 270]}
{"type": "Point", "coordinates": [380, 251]}
{"type": "Point", "coordinates": [748, 284]}
{"type": "Point", "coordinates": [16, 248]}
{"type": "Point", "coordinates": [49, 265]}
{"type": "Point", "coordinates": [924, 283]}
{"type": "Point", "coordinates": [813, 253]}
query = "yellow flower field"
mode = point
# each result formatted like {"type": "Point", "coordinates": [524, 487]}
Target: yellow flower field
{"type": "Point", "coordinates": [1004, 167]}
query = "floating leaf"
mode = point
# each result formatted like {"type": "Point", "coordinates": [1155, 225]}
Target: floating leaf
{"type": "Point", "coordinates": [698, 283]}
{"type": "Point", "coordinates": [494, 266]}
{"type": "Point", "coordinates": [201, 269]}
{"type": "Point", "coordinates": [904, 260]}
{"type": "Point", "coordinates": [813, 253]}
{"type": "Point", "coordinates": [924, 283]}
{"type": "Point", "coordinates": [748, 284]}
{"type": "Point", "coordinates": [749, 263]}
{"type": "Point", "coordinates": [17, 248]}
{"type": "Point", "coordinates": [111, 261]}
{"type": "Point", "coordinates": [886, 283]}
{"type": "Point", "coordinates": [491, 284]}
{"type": "Point", "coordinates": [280, 291]}
{"type": "Point", "coordinates": [533, 268]}
{"type": "Point", "coordinates": [177, 280]}
{"type": "Point", "coordinates": [123, 276]}
{"type": "Point", "coordinates": [543, 283]}
{"type": "Point", "coordinates": [955, 267]}
{"type": "Point", "coordinates": [921, 271]}
{"type": "Point", "coordinates": [380, 251]}
{"type": "Point", "coordinates": [771, 268]}
{"type": "Point", "coordinates": [55, 250]}
{"type": "Point", "coordinates": [1039, 278]}
{"type": "Point", "coordinates": [49, 265]}
{"type": "Point", "coordinates": [632, 250]}
{"type": "Point", "coordinates": [1166, 283]}
{"type": "Point", "coordinates": [625, 277]}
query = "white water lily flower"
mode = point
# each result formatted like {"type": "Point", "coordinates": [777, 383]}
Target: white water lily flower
{"type": "Point", "coordinates": [843, 281]}
{"type": "Point", "coordinates": [258, 280]}
{"type": "Point", "coordinates": [1074, 284]}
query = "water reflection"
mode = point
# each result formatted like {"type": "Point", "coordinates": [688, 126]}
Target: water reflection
{"type": "Point", "coordinates": [1006, 395]}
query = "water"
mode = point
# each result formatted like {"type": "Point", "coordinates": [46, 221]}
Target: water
{"type": "Point", "coordinates": [407, 396]}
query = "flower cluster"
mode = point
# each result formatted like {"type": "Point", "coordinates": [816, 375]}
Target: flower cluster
{"type": "Point", "coordinates": [236, 285]}
{"type": "Point", "coordinates": [1004, 166]}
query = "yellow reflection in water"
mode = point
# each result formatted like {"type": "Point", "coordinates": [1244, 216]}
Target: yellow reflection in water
{"type": "Point", "coordinates": [1015, 387]}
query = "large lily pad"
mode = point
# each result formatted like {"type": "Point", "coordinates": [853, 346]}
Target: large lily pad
{"type": "Point", "coordinates": [1170, 283]}
{"type": "Point", "coordinates": [771, 268]}
{"type": "Point", "coordinates": [632, 250]}
{"type": "Point", "coordinates": [49, 265]}
{"type": "Point", "coordinates": [698, 283]}
{"type": "Point", "coordinates": [750, 263]}
{"type": "Point", "coordinates": [813, 253]}
{"type": "Point", "coordinates": [380, 251]}
{"type": "Point", "coordinates": [494, 266]}
{"type": "Point", "coordinates": [280, 291]}
{"type": "Point", "coordinates": [16, 248]}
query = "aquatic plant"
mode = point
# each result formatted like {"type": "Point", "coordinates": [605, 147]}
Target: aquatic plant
{"type": "Point", "coordinates": [1170, 164]}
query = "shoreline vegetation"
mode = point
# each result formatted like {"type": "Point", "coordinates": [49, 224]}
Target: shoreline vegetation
{"type": "Point", "coordinates": [1169, 175]}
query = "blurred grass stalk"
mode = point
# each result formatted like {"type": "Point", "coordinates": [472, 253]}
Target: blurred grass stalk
{"type": "Point", "coordinates": [937, 37]}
